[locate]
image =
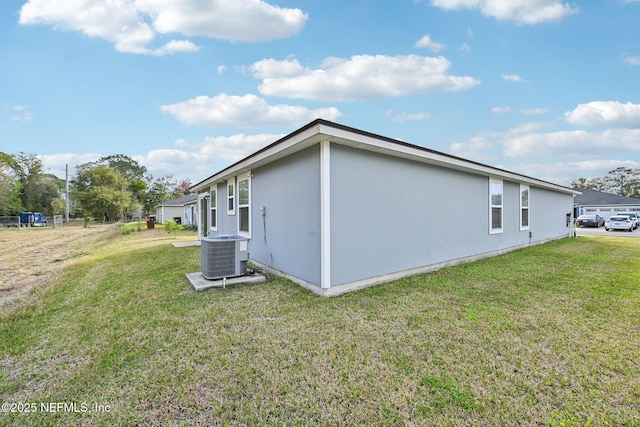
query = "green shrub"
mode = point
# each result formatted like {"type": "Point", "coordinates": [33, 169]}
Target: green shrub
{"type": "Point", "coordinates": [172, 227]}
{"type": "Point", "coordinates": [87, 220]}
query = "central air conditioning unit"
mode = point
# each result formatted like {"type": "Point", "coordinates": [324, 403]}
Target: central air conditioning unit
{"type": "Point", "coordinates": [223, 256]}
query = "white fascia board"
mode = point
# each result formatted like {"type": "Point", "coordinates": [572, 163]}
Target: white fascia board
{"type": "Point", "coordinates": [363, 140]}
{"type": "Point", "coordinates": [416, 153]}
{"type": "Point", "coordinates": [277, 150]}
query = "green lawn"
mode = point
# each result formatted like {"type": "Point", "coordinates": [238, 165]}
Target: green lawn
{"type": "Point", "coordinates": [544, 335]}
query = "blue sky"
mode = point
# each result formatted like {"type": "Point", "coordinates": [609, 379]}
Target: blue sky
{"type": "Point", "coordinates": [547, 88]}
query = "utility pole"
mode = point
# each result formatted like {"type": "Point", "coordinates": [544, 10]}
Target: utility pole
{"type": "Point", "coordinates": [66, 189]}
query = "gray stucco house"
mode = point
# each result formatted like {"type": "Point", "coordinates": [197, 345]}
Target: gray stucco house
{"type": "Point", "coordinates": [183, 207]}
{"type": "Point", "coordinates": [337, 209]}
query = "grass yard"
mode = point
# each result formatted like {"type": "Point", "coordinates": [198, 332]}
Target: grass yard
{"type": "Point", "coordinates": [544, 335]}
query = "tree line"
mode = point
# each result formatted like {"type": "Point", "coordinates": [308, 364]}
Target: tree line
{"type": "Point", "coordinates": [109, 189]}
{"type": "Point", "coordinates": [622, 181]}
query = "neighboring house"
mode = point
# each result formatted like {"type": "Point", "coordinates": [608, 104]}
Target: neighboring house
{"type": "Point", "coordinates": [183, 207]}
{"type": "Point", "coordinates": [190, 215]}
{"type": "Point", "coordinates": [603, 204]}
{"type": "Point", "coordinates": [337, 209]}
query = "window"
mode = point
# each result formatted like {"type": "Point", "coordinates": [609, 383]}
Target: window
{"type": "Point", "coordinates": [495, 202]}
{"type": "Point", "coordinates": [231, 201]}
{"type": "Point", "coordinates": [244, 198]}
{"type": "Point", "coordinates": [524, 207]}
{"type": "Point", "coordinates": [213, 206]}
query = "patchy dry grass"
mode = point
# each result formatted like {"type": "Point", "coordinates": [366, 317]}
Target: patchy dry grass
{"type": "Point", "coordinates": [545, 335]}
{"type": "Point", "coordinates": [30, 258]}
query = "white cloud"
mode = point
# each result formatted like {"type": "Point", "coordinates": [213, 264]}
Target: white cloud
{"type": "Point", "coordinates": [426, 42]}
{"type": "Point", "coordinates": [605, 113]}
{"type": "Point", "coordinates": [596, 151]}
{"type": "Point", "coordinates": [177, 163]}
{"type": "Point", "coordinates": [235, 147]}
{"type": "Point", "coordinates": [175, 46]}
{"type": "Point", "coordinates": [525, 128]}
{"type": "Point", "coordinates": [133, 25]}
{"type": "Point", "coordinates": [358, 78]}
{"type": "Point", "coordinates": [234, 20]}
{"type": "Point", "coordinates": [514, 78]}
{"type": "Point", "coordinates": [197, 161]}
{"type": "Point", "coordinates": [23, 117]}
{"type": "Point", "coordinates": [404, 117]}
{"type": "Point", "coordinates": [564, 172]}
{"type": "Point", "coordinates": [116, 21]}
{"type": "Point", "coordinates": [500, 110]}
{"type": "Point", "coordinates": [20, 113]}
{"type": "Point", "coordinates": [519, 11]}
{"type": "Point", "coordinates": [465, 47]}
{"type": "Point", "coordinates": [243, 111]}
{"type": "Point", "coordinates": [272, 68]}
{"type": "Point", "coordinates": [474, 149]}
{"type": "Point", "coordinates": [55, 163]}
{"type": "Point", "coordinates": [572, 143]}
{"type": "Point", "coordinates": [632, 60]}
{"type": "Point", "coordinates": [533, 111]}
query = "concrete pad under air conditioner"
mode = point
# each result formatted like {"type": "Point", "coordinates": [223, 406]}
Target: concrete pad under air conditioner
{"type": "Point", "coordinates": [200, 283]}
{"type": "Point", "coordinates": [185, 244]}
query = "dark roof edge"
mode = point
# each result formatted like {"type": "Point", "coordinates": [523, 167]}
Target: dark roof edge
{"type": "Point", "coordinates": [273, 144]}
{"type": "Point", "coordinates": [180, 201]}
{"type": "Point", "coordinates": [328, 123]}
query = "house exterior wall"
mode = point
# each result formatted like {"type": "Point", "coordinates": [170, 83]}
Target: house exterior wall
{"type": "Point", "coordinates": [189, 214]}
{"type": "Point", "coordinates": [227, 223]}
{"type": "Point", "coordinates": [288, 188]}
{"type": "Point", "coordinates": [549, 214]}
{"type": "Point", "coordinates": [346, 209]}
{"type": "Point", "coordinates": [390, 215]}
{"type": "Point", "coordinates": [166, 213]}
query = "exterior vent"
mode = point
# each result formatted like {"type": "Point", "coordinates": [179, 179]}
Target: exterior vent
{"type": "Point", "coordinates": [223, 256]}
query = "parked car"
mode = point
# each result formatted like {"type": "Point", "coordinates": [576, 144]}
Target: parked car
{"type": "Point", "coordinates": [590, 221]}
{"type": "Point", "coordinates": [619, 222]}
{"type": "Point", "coordinates": [634, 217]}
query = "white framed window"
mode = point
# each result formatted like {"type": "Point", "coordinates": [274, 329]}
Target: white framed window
{"type": "Point", "coordinates": [244, 204]}
{"type": "Point", "coordinates": [524, 207]}
{"type": "Point", "coordinates": [213, 209]}
{"type": "Point", "coordinates": [231, 196]}
{"type": "Point", "coordinates": [495, 205]}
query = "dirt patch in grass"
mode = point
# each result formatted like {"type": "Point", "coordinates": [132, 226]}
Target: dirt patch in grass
{"type": "Point", "coordinates": [31, 257]}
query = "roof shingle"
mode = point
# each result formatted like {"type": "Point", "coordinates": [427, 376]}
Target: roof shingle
{"type": "Point", "coordinates": [600, 198]}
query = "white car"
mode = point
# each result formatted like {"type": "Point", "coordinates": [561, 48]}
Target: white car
{"type": "Point", "coordinates": [632, 215]}
{"type": "Point", "coordinates": [619, 222]}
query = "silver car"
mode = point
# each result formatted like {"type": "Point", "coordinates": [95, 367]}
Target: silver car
{"type": "Point", "coordinates": [619, 222]}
